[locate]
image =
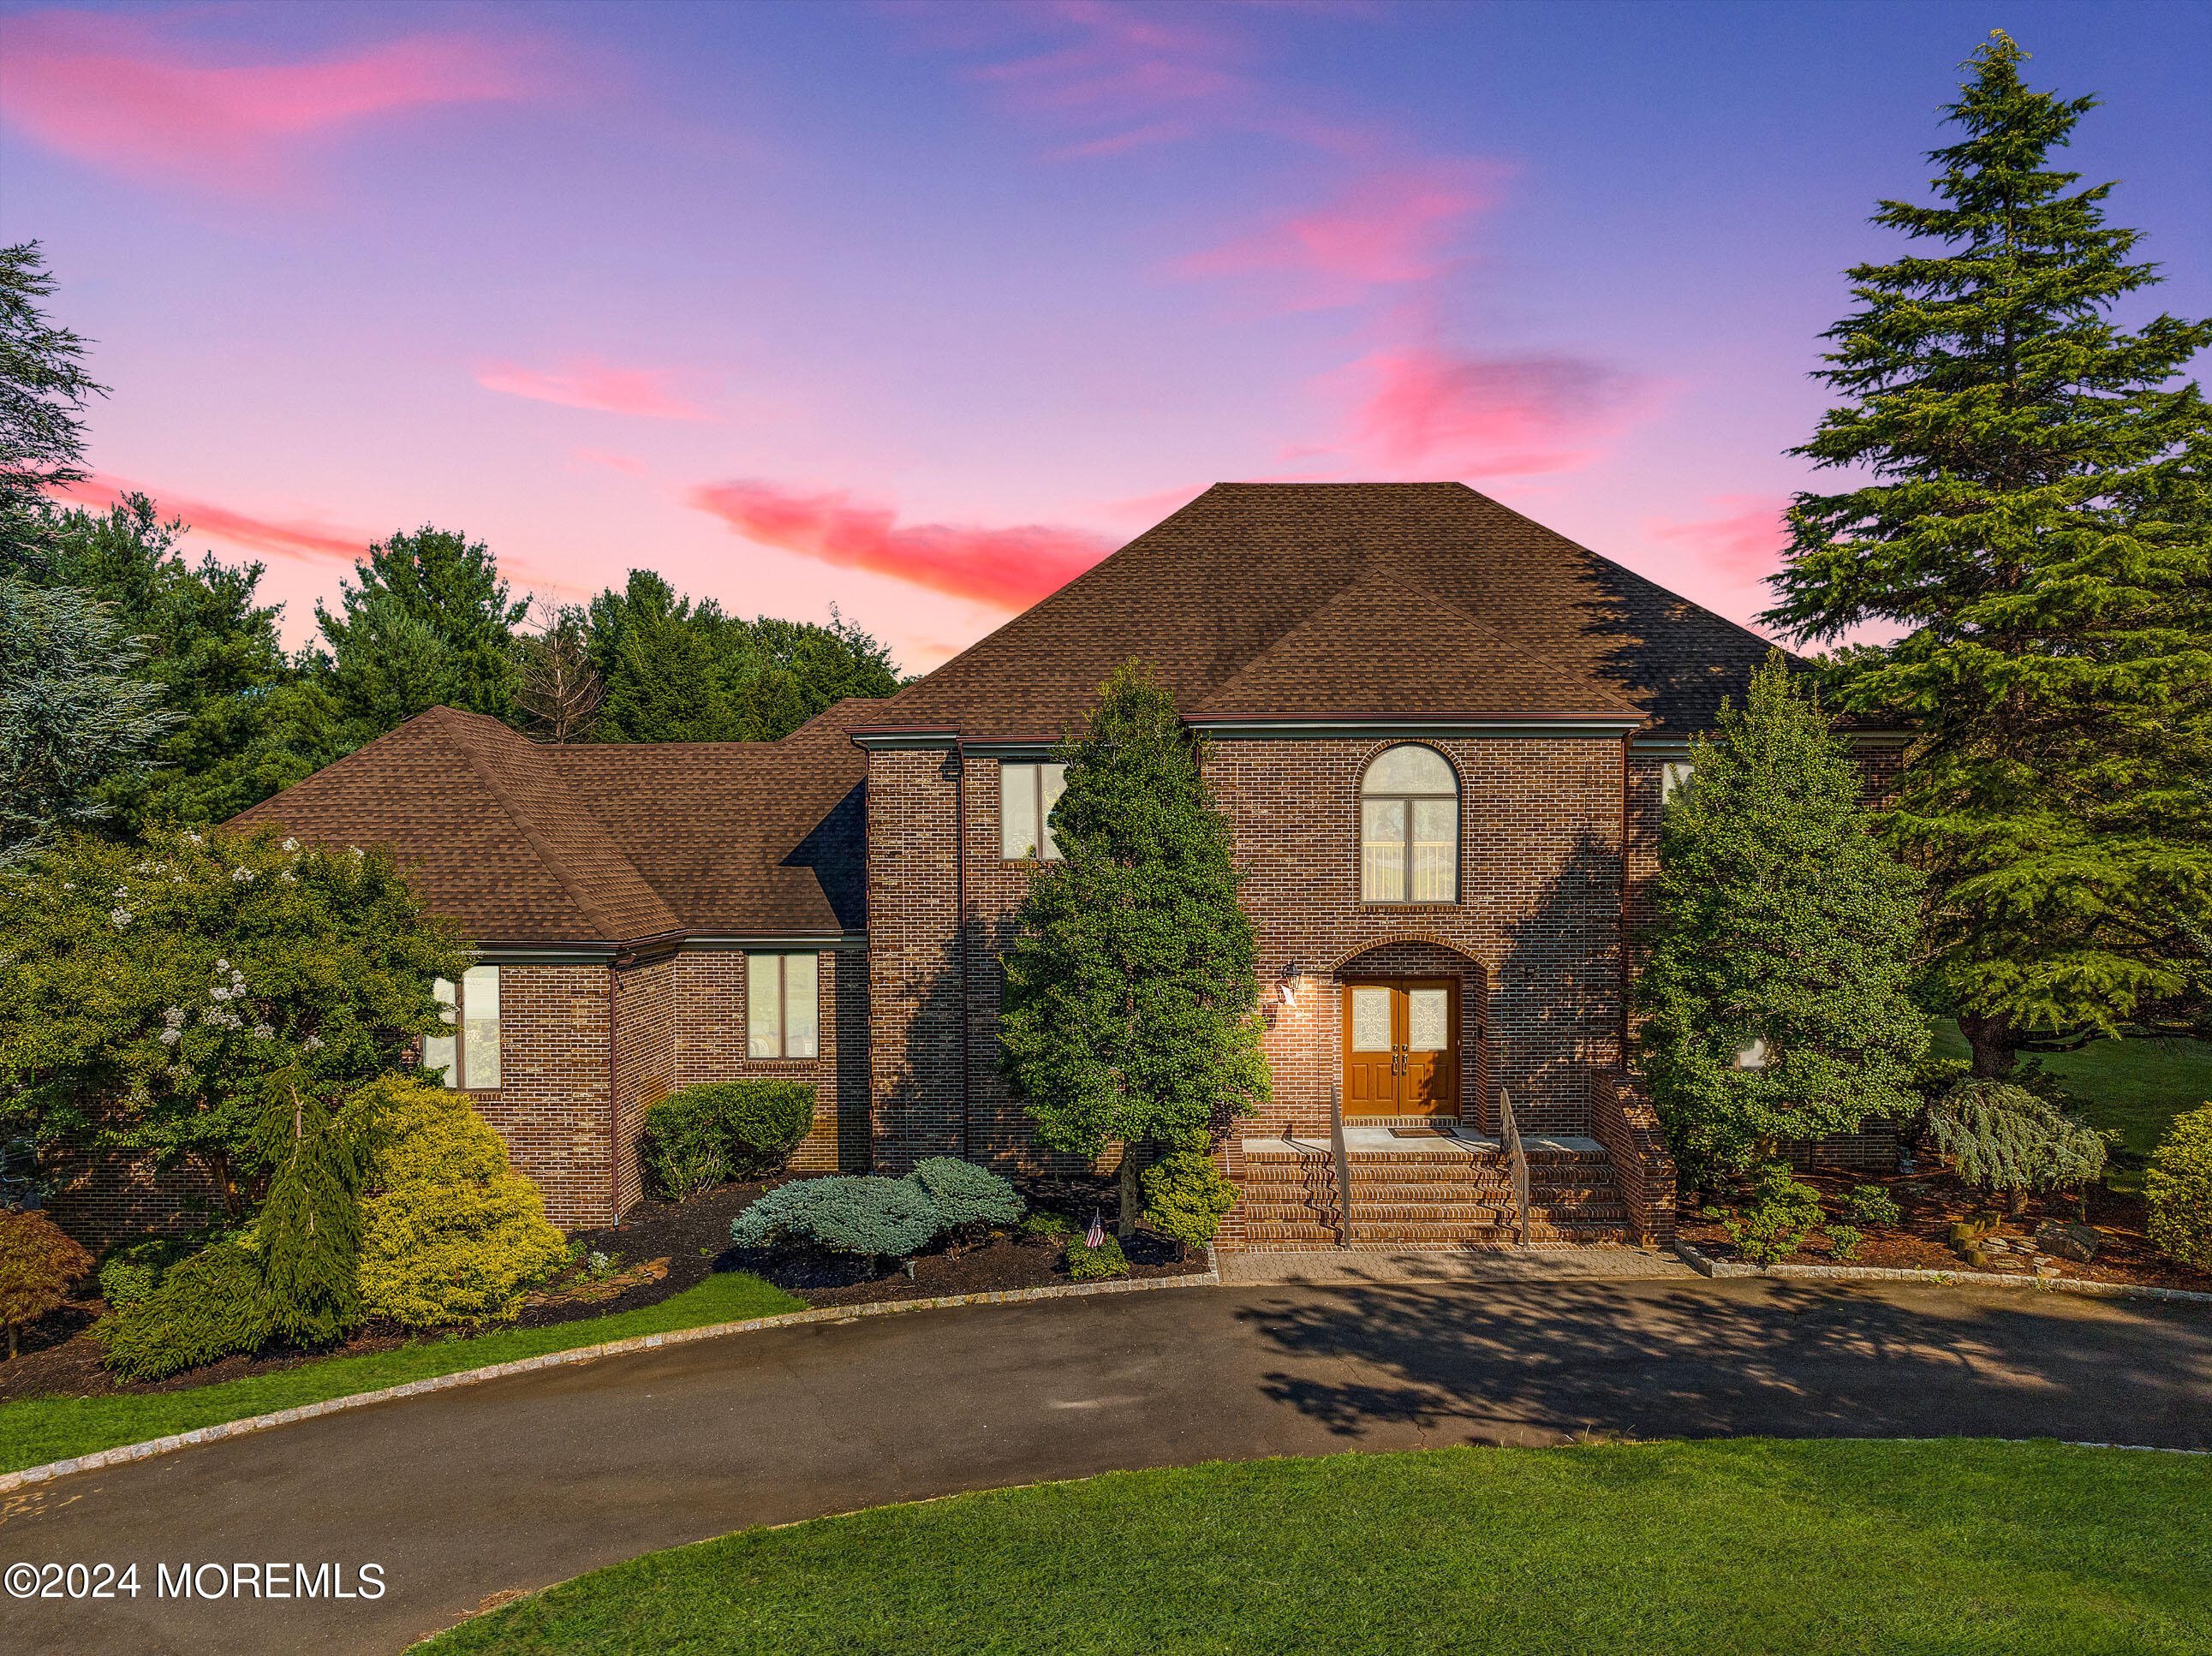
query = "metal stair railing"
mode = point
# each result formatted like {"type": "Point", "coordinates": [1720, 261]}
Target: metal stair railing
{"type": "Point", "coordinates": [1509, 1135]}
{"type": "Point", "coordinates": [1343, 1167]}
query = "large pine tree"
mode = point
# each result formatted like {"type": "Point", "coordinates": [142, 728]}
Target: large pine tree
{"type": "Point", "coordinates": [1132, 1005]}
{"type": "Point", "coordinates": [2036, 523]}
{"type": "Point", "coordinates": [427, 619]}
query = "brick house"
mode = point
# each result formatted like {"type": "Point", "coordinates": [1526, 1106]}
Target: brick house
{"type": "Point", "coordinates": [1443, 734]}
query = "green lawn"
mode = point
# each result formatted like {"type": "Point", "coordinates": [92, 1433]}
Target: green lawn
{"type": "Point", "coordinates": [2137, 1086]}
{"type": "Point", "coordinates": [39, 1429]}
{"type": "Point", "coordinates": [1804, 1549]}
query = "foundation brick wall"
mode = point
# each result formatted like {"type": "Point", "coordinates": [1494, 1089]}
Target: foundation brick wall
{"type": "Point", "coordinates": [107, 1195]}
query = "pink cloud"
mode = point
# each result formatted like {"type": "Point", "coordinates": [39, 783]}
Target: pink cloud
{"type": "Point", "coordinates": [111, 92]}
{"type": "Point", "coordinates": [586, 384]}
{"type": "Point", "coordinates": [623, 462]}
{"type": "Point", "coordinates": [1390, 228]}
{"type": "Point", "coordinates": [1121, 60]}
{"type": "Point", "coordinates": [1743, 541]}
{"type": "Point", "coordinates": [1007, 568]}
{"type": "Point", "coordinates": [1443, 413]}
{"type": "Point", "coordinates": [306, 539]}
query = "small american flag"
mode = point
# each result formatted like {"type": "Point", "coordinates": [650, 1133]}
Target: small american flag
{"type": "Point", "coordinates": [1096, 1236]}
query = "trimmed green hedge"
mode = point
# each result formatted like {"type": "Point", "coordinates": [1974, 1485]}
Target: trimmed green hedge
{"type": "Point", "coordinates": [697, 1137]}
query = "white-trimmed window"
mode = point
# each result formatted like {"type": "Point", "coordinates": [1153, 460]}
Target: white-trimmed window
{"type": "Point", "coordinates": [781, 1002]}
{"type": "Point", "coordinates": [1674, 780]}
{"type": "Point", "coordinates": [1409, 827]}
{"type": "Point", "coordinates": [469, 1051]}
{"type": "Point", "coordinates": [1027, 794]}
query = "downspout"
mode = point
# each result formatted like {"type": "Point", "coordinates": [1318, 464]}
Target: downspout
{"type": "Point", "coordinates": [614, 1093]}
{"type": "Point", "coordinates": [1628, 964]}
{"type": "Point", "coordinates": [960, 920]}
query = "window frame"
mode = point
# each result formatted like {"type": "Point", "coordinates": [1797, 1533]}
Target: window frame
{"type": "Point", "coordinates": [783, 1054]}
{"type": "Point", "coordinates": [1360, 800]}
{"type": "Point", "coordinates": [1046, 849]}
{"type": "Point", "coordinates": [455, 1077]}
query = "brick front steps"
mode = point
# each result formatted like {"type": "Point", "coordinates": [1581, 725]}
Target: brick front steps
{"type": "Point", "coordinates": [1420, 1194]}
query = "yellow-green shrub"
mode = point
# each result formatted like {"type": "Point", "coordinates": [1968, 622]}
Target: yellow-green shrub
{"type": "Point", "coordinates": [451, 1233]}
{"type": "Point", "coordinates": [2178, 1188]}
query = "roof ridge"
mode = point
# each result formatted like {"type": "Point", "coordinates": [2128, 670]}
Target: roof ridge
{"type": "Point", "coordinates": [527, 825]}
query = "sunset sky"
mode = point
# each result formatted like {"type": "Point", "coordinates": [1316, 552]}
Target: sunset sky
{"type": "Point", "coordinates": [920, 308]}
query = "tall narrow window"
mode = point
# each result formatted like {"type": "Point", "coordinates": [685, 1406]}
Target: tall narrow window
{"type": "Point", "coordinates": [1027, 794]}
{"type": "Point", "coordinates": [1409, 829]}
{"type": "Point", "coordinates": [469, 1051]}
{"type": "Point", "coordinates": [782, 1017]}
{"type": "Point", "coordinates": [1674, 780]}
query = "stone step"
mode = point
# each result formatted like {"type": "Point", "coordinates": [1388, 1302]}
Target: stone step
{"type": "Point", "coordinates": [1556, 1155]}
{"type": "Point", "coordinates": [1322, 1233]}
{"type": "Point", "coordinates": [1446, 1246]}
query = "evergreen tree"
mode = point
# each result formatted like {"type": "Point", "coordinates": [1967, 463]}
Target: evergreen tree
{"type": "Point", "coordinates": [429, 624]}
{"type": "Point", "coordinates": [1780, 921]}
{"type": "Point", "coordinates": [665, 684]}
{"type": "Point", "coordinates": [43, 388]}
{"type": "Point", "coordinates": [246, 724]}
{"type": "Point", "coordinates": [2036, 522]}
{"type": "Point", "coordinates": [75, 715]}
{"type": "Point", "coordinates": [1132, 1006]}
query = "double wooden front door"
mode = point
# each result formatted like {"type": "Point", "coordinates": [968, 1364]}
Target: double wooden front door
{"type": "Point", "coordinates": [1401, 1046]}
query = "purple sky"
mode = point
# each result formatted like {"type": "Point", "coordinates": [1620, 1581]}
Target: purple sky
{"type": "Point", "coordinates": [918, 309]}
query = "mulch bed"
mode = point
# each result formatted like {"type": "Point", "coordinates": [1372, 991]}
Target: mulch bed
{"type": "Point", "coordinates": [1932, 1202]}
{"type": "Point", "coordinates": [659, 1250]}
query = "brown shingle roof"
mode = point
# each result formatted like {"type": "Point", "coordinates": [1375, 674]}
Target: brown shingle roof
{"type": "Point", "coordinates": [1291, 600]}
{"type": "Point", "coordinates": [1379, 647]}
{"type": "Point", "coordinates": [526, 844]}
{"type": "Point", "coordinates": [1246, 567]}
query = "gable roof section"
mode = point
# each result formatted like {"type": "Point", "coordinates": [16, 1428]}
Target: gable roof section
{"type": "Point", "coordinates": [740, 837]}
{"type": "Point", "coordinates": [488, 834]}
{"type": "Point", "coordinates": [523, 843]}
{"type": "Point", "coordinates": [1206, 593]}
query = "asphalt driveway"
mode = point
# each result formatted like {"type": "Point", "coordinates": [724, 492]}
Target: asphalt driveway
{"type": "Point", "coordinates": [476, 1493]}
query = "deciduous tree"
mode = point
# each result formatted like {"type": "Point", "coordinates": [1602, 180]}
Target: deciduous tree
{"type": "Point", "coordinates": [196, 995]}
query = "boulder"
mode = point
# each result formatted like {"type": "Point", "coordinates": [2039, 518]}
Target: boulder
{"type": "Point", "coordinates": [2075, 1243]}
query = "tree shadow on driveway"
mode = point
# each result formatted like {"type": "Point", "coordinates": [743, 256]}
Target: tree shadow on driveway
{"type": "Point", "coordinates": [1523, 1364]}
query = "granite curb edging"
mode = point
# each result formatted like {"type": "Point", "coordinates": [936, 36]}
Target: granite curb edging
{"type": "Point", "coordinates": [1210, 1278]}
{"type": "Point", "coordinates": [1705, 1266]}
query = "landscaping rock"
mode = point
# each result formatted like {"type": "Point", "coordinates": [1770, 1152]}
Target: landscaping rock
{"type": "Point", "coordinates": [2075, 1243]}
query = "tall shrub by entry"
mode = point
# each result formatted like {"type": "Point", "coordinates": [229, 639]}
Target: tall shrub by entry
{"type": "Point", "coordinates": [1132, 1000]}
{"type": "Point", "coordinates": [1774, 996]}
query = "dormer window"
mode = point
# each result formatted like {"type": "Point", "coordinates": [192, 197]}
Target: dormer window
{"type": "Point", "coordinates": [1027, 794]}
{"type": "Point", "coordinates": [1409, 827]}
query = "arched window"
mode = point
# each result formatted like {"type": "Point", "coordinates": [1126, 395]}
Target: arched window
{"type": "Point", "coordinates": [1409, 829]}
